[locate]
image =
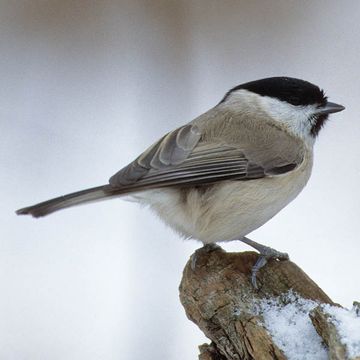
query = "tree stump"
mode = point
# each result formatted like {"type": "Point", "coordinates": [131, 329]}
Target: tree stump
{"type": "Point", "coordinates": [218, 296]}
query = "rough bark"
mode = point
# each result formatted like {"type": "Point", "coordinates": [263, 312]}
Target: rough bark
{"type": "Point", "coordinates": [210, 352]}
{"type": "Point", "coordinates": [218, 296]}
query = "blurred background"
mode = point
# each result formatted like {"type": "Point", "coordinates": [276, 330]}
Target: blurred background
{"type": "Point", "coordinates": [85, 87]}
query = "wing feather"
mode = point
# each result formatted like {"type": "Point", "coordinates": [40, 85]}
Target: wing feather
{"type": "Point", "coordinates": [181, 158]}
{"type": "Point", "coordinates": [169, 151]}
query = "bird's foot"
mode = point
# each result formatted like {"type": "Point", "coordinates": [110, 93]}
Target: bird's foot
{"type": "Point", "coordinates": [207, 248]}
{"type": "Point", "coordinates": [266, 253]}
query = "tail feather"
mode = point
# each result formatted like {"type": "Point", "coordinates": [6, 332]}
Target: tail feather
{"type": "Point", "coordinates": [73, 199]}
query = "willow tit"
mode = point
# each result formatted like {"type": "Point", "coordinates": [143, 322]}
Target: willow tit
{"type": "Point", "coordinates": [228, 171]}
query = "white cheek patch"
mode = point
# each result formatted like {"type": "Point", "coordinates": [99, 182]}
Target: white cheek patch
{"type": "Point", "coordinates": [296, 119]}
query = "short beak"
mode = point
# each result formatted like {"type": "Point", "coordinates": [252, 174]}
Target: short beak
{"type": "Point", "coordinates": [330, 108]}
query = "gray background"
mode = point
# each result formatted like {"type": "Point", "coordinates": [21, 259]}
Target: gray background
{"type": "Point", "coordinates": [85, 87]}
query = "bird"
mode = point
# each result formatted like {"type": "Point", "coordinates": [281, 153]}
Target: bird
{"type": "Point", "coordinates": [228, 171]}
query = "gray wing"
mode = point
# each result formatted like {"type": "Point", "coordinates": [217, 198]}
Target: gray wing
{"type": "Point", "coordinates": [182, 158]}
{"type": "Point", "coordinates": [171, 150]}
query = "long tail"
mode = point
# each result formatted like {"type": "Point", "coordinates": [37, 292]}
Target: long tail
{"type": "Point", "coordinates": [73, 199]}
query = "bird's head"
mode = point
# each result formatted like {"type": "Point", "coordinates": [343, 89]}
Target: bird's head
{"type": "Point", "coordinates": [297, 105]}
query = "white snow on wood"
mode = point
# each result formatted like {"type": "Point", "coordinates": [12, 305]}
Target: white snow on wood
{"type": "Point", "coordinates": [348, 326]}
{"type": "Point", "coordinates": [288, 322]}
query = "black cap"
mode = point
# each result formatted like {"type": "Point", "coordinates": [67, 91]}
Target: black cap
{"type": "Point", "coordinates": [294, 91]}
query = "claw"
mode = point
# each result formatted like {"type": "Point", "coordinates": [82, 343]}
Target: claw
{"type": "Point", "coordinates": [261, 261]}
{"type": "Point", "coordinates": [266, 253]}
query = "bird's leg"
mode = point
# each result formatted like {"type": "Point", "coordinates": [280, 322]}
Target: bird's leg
{"type": "Point", "coordinates": [207, 248]}
{"type": "Point", "coordinates": [266, 253]}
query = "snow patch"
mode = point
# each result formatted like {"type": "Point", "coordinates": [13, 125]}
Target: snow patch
{"type": "Point", "coordinates": [348, 326]}
{"type": "Point", "coordinates": [288, 322]}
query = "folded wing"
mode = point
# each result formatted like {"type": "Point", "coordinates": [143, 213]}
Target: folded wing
{"type": "Point", "coordinates": [182, 158]}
